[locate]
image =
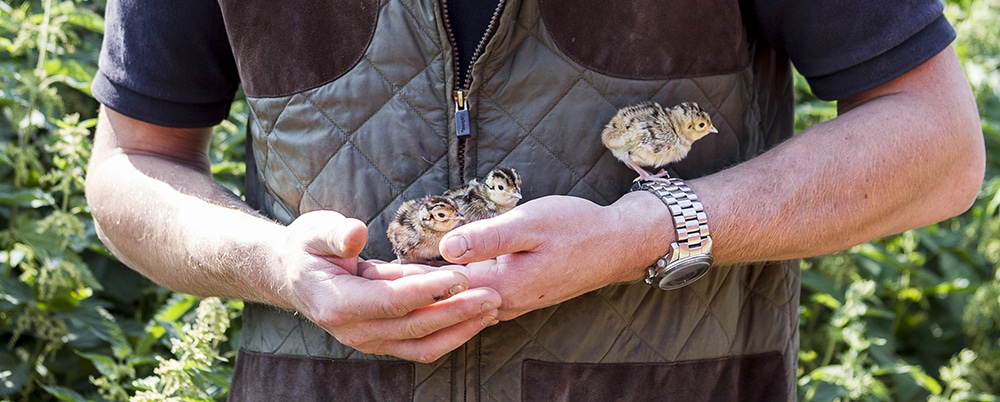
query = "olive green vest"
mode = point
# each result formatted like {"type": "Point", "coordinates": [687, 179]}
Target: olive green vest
{"type": "Point", "coordinates": [550, 76]}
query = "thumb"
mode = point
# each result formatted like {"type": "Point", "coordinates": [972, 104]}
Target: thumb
{"type": "Point", "coordinates": [483, 240]}
{"type": "Point", "coordinates": [331, 233]}
{"type": "Point", "coordinates": [350, 237]}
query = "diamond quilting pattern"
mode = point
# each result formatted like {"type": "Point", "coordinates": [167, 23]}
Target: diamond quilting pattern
{"type": "Point", "coordinates": [316, 151]}
{"type": "Point", "coordinates": [701, 313]}
{"type": "Point", "coordinates": [371, 163]}
{"type": "Point", "coordinates": [299, 151]}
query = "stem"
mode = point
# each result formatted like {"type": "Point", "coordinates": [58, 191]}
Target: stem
{"type": "Point", "coordinates": [43, 39]}
{"type": "Point", "coordinates": [899, 310]}
{"type": "Point", "coordinates": [65, 198]}
{"type": "Point", "coordinates": [830, 347]}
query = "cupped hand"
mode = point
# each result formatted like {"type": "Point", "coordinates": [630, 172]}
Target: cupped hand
{"type": "Point", "coordinates": [416, 317]}
{"type": "Point", "coordinates": [552, 249]}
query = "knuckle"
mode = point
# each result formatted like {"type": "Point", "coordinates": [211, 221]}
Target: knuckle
{"type": "Point", "coordinates": [341, 325]}
{"type": "Point", "coordinates": [392, 308]}
{"type": "Point", "coordinates": [428, 358]}
{"type": "Point", "coordinates": [414, 329]}
{"type": "Point", "coordinates": [334, 318]}
{"type": "Point", "coordinates": [352, 339]}
{"type": "Point", "coordinates": [369, 348]}
{"type": "Point", "coordinates": [494, 238]}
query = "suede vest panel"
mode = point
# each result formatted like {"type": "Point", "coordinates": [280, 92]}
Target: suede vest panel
{"type": "Point", "coordinates": [377, 128]}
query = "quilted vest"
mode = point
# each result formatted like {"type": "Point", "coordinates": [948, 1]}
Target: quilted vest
{"type": "Point", "coordinates": [366, 119]}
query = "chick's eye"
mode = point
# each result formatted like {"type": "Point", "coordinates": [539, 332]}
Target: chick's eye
{"type": "Point", "coordinates": [701, 125]}
{"type": "Point", "coordinates": [500, 187]}
{"type": "Point", "coordinates": [440, 214]}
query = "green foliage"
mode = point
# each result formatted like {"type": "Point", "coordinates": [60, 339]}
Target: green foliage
{"type": "Point", "coordinates": [78, 325]}
{"type": "Point", "coordinates": [911, 316]}
{"type": "Point", "coordinates": [916, 315]}
{"type": "Point", "coordinates": [199, 370]}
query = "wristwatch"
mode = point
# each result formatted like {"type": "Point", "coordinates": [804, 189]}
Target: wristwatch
{"type": "Point", "coordinates": [691, 255]}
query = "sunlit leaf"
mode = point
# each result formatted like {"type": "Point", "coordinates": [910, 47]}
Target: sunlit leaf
{"type": "Point", "coordinates": [25, 197]}
{"type": "Point", "coordinates": [86, 19]}
{"type": "Point", "coordinates": [13, 374]}
{"type": "Point", "coordinates": [826, 300]}
{"type": "Point", "coordinates": [64, 394]}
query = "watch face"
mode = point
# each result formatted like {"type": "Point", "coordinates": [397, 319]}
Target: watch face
{"type": "Point", "coordinates": [683, 272]}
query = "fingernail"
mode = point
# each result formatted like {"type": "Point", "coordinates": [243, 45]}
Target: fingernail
{"type": "Point", "coordinates": [488, 320]}
{"type": "Point", "coordinates": [456, 289]}
{"type": "Point", "coordinates": [456, 246]}
{"type": "Point", "coordinates": [488, 305]}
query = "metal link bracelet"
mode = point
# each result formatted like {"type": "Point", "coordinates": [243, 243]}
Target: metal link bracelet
{"type": "Point", "coordinates": [690, 256]}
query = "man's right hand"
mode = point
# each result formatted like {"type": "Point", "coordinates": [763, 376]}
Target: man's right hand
{"type": "Point", "coordinates": [416, 317]}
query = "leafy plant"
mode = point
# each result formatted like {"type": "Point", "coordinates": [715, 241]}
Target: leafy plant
{"type": "Point", "coordinates": [928, 321]}
{"type": "Point", "coordinates": [911, 316]}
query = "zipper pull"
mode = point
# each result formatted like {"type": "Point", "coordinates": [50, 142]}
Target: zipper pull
{"type": "Point", "coordinates": [461, 113]}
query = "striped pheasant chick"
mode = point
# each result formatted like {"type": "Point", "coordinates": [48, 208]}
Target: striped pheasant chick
{"type": "Point", "coordinates": [499, 192]}
{"type": "Point", "coordinates": [418, 225]}
{"type": "Point", "coordinates": [647, 135]}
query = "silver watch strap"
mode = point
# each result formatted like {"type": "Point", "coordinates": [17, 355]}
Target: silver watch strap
{"type": "Point", "coordinates": [690, 223]}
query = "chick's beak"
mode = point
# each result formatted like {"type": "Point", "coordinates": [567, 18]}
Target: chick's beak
{"type": "Point", "coordinates": [713, 129]}
{"type": "Point", "coordinates": [516, 194]}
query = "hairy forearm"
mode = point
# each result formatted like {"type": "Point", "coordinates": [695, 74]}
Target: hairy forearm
{"type": "Point", "coordinates": [903, 157]}
{"type": "Point", "coordinates": [174, 224]}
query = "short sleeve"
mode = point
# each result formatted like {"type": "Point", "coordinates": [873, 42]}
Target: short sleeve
{"type": "Point", "coordinates": [166, 62]}
{"type": "Point", "coordinates": [846, 47]}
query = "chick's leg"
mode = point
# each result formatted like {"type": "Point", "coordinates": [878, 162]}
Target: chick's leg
{"type": "Point", "coordinates": [644, 175]}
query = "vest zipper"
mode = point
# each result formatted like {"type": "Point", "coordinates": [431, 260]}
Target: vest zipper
{"type": "Point", "coordinates": [465, 359]}
{"type": "Point", "coordinates": [463, 123]}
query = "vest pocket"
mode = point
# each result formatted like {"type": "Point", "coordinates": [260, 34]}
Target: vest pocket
{"type": "Point", "coordinates": [758, 377]}
{"type": "Point", "coordinates": [272, 377]}
{"type": "Point", "coordinates": [288, 46]}
{"type": "Point", "coordinates": [649, 39]}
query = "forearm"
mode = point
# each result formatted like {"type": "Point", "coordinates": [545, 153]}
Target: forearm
{"type": "Point", "coordinates": [175, 225]}
{"type": "Point", "coordinates": [905, 156]}
{"type": "Point", "coordinates": [900, 157]}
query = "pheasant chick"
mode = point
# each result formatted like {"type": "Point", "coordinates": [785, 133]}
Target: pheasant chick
{"type": "Point", "coordinates": [648, 135]}
{"type": "Point", "coordinates": [418, 225]}
{"type": "Point", "coordinates": [499, 192]}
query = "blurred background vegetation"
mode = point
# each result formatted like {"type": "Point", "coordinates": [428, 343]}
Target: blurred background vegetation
{"type": "Point", "coordinates": [911, 316]}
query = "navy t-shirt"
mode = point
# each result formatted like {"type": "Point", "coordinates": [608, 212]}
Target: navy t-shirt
{"type": "Point", "coordinates": [169, 62]}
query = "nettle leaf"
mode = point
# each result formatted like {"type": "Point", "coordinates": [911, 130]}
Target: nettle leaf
{"type": "Point", "coordinates": [64, 394]}
{"type": "Point", "coordinates": [827, 300]}
{"type": "Point", "coordinates": [956, 286]}
{"type": "Point", "coordinates": [104, 364]}
{"type": "Point", "coordinates": [918, 375]}
{"type": "Point", "coordinates": [14, 374]}
{"type": "Point", "coordinates": [813, 280]}
{"type": "Point", "coordinates": [14, 293]}
{"type": "Point", "coordinates": [103, 325]}
{"type": "Point", "coordinates": [85, 19]}
{"type": "Point", "coordinates": [69, 72]}
{"type": "Point", "coordinates": [27, 231]}
{"type": "Point", "coordinates": [24, 197]}
{"type": "Point", "coordinates": [166, 320]}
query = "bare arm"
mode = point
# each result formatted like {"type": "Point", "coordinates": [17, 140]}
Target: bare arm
{"type": "Point", "coordinates": [158, 209]}
{"type": "Point", "coordinates": [900, 156]}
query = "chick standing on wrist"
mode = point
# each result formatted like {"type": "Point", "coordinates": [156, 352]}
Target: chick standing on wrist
{"type": "Point", "coordinates": [418, 225]}
{"type": "Point", "coordinates": [648, 135]}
